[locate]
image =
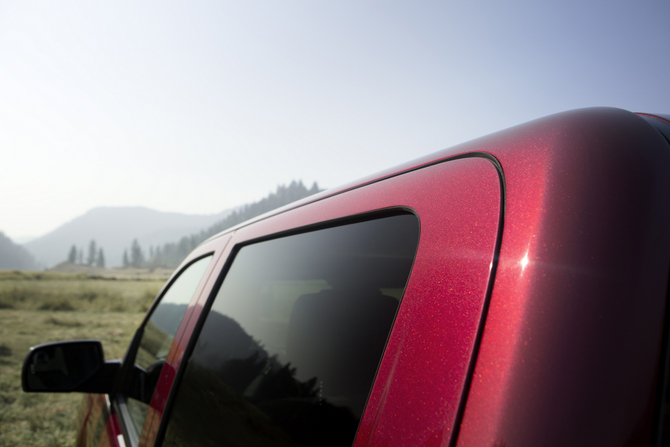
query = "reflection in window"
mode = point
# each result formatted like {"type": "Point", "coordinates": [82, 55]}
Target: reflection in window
{"type": "Point", "coordinates": [157, 337]}
{"type": "Point", "coordinates": [290, 348]}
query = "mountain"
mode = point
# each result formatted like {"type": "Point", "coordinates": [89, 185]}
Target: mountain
{"type": "Point", "coordinates": [13, 256]}
{"type": "Point", "coordinates": [114, 228]}
{"type": "Point", "coordinates": [171, 254]}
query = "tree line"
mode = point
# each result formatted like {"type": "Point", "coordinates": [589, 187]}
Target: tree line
{"type": "Point", "coordinates": [170, 255]}
{"type": "Point", "coordinates": [96, 256]}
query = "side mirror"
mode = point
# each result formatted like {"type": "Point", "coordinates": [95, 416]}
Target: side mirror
{"type": "Point", "coordinates": [68, 366]}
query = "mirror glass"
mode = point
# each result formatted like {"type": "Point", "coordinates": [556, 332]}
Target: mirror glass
{"type": "Point", "coordinates": [62, 366]}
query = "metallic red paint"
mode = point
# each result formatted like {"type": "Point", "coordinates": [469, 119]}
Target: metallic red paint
{"type": "Point", "coordinates": [458, 204]}
{"type": "Point", "coordinates": [100, 424]}
{"type": "Point", "coordinates": [571, 346]}
{"type": "Point", "coordinates": [566, 350]}
{"type": "Point", "coordinates": [114, 434]}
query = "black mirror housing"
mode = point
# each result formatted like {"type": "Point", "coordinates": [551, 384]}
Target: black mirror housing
{"type": "Point", "coordinates": [68, 366]}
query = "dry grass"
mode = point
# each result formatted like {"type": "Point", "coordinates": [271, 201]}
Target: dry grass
{"type": "Point", "coordinates": [81, 292]}
{"type": "Point", "coordinates": [39, 308]}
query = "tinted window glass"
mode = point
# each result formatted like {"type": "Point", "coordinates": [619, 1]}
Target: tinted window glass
{"type": "Point", "coordinates": [290, 348]}
{"type": "Point", "coordinates": [159, 332]}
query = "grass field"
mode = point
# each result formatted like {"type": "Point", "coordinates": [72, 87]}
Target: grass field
{"type": "Point", "coordinates": [41, 307]}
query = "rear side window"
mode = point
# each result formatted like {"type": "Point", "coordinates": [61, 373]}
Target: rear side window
{"type": "Point", "coordinates": [289, 350]}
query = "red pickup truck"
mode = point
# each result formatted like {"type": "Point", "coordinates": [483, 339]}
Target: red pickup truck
{"type": "Point", "coordinates": [510, 291]}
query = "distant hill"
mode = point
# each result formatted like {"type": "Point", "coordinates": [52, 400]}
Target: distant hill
{"type": "Point", "coordinates": [13, 256]}
{"type": "Point", "coordinates": [170, 255]}
{"type": "Point", "coordinates": [113, 229]}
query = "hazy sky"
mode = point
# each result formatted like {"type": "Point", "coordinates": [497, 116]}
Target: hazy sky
{"type": "Point", "coordinates": [196, 107]}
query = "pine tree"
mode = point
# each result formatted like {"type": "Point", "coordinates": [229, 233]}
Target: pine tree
{"type": "Point", "coordinates": [171, 254]}
{"type": "Point", "coordinates": [92, 252]}
{"type": "Point", "coordinates": [101, 259]}
{"type": "Point", "coordinates": [136, 256]}
{"type": "Point", "coordinates": [72, 256]}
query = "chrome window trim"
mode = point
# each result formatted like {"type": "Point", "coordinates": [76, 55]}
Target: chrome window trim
{"type": "Point", "coordinates": [126, 421]}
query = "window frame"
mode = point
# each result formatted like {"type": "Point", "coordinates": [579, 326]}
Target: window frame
{"type": "Point", "coordinates": [446, 195]}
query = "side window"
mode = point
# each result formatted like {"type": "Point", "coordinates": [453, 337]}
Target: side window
{"type": "Point", "coordinates": [157, 336]}
{"type": "Point", "coordinates": [290, 348]}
